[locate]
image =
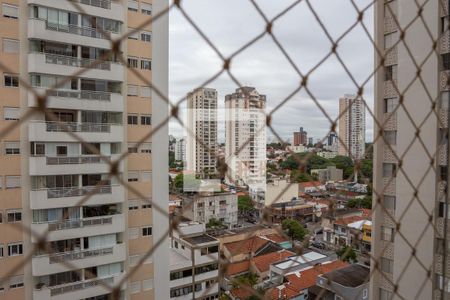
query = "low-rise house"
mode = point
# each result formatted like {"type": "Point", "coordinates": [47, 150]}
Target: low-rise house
{"type": "Point", "coordinates": [194, 263]}
{"type": "Point", "coordinates": [280, 191]}
{"type": "Point", "coordinates": [350, 282]}
{"type": "Point", "coordinates": [330, 173]}
{"type": "Point", "coordinates": [232, 271]}
{"type": "Point", "coordinates": [311, 186]}
{"type": "Point", "coordinates": [249, 248]}
{"type": "Point", "coordinates": [260, 265]}
{"type": "Point", "coordinates": [297, 285]}
{"type": "Point", "coordinates": [327, 154]}
{"type": "Point", "coordinates": [202, 207]}
{"type": "Point", "coordinates": [296, 209]}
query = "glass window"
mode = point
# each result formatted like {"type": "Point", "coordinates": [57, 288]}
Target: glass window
{"type": "Point", "coordinates": [146, 91]}
{"type": "Point", "coordinates": [389, 170]}
{"type": "Point", "coordinates": [146, 231]}
{"type": "Point", "coordinates": [132, 119]}
{"type": "Point", "coordinates": [146, 120]}
{"type": "Point", "coordinates": [387, 234]}
{"type": "Point", "coordinates": [15, 249]}
{"type": "Point", "coordinates": [390, 137]}
{"type": "Point", "coordinates": [10, 46]}
{"type": "Point", "coordinates": [132, 90]}
{"type": "Point", "coordinates": [11, 80]}
{"type": "Point", "coordinates": [12, 148]}
{"type": "Point", "coordinates": [10, 11]}
{"type": "Point", "coordinates": [14, 216]}
{"type": "Point", "coordinates": [390, 73]}
{"type": "Point", "coordinates": [132, 62]}
{"type": "Point", "coordinates": [390, 104]}
{"type": "Point", "coordinates": [146, 36]}
{"type": "Point", "coordinates": [133, 5]}
{"type": "Point", "coordinates": [146, 64]}
{"type": "Point", "coordinates": [146, 8]}
{"type": "Point", "coordinates": [387, 265]}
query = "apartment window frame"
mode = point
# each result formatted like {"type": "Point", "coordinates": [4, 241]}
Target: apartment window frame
{"type": "Point", "coordinates": [11, 113]}
{"type": "Point", "coordinates": [389, 202]}
{"type": "Point", "coordinates": [390, 72]}
{"type": "Point", "coordinates": [133, 5]}
{"type": "Point", "coordinates": [146, 64]}
{"type": "Point", "coordinates": [10, 80]}
{"type": "Point", "coordinates": [387, 234]}
{"type": "Point", "coordinates": [146, 36]}
{"type": "Point", "coordinates": [147, 231]}
{"type": "Point", "coordinates": [390, 137]}
{"type": "Point", "coordinates": [132, 90]}
{"type": "Point", "coordinates": [15, 249]}
{"type": "Point", "coordinates": [132, 62]}
{"type": "Point", "coordinates": [10, 46]}
{"type": "Point", "coordinates": [133, 205]}
{"type": "Point", "coordinates": [14, 215]}
{"type": "Point", "coordinates": [16, 282]}
{"type": "Point", "coordinates": [146, 8]}
{"type": "Point", "coordinates": [132, 119]}
{"type": "Point", "coordinates": [17, 183]}
{"type": "Point", "coordinates": [445, 59]}
{"type": "Point", "coordinates": [133, 176]}
{"type": "Point", "coordinates": [2, 251]}
{"type": "Point", "coordinates": [389, 170]}
{"type": "Point", "coordinates": [387, 265]}
{"type": "Point", "coordinates": [12, 148]}
{"type": "Point", "coordinates": [135, 36]}
{"type": "Point", "coordinates": [13, 11]}
{"type": "Point", "coordinates": [146, 120]}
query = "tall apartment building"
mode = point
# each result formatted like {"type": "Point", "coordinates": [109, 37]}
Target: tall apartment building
{"type": "Point", "coordinates": [300, 137]}
{"type": "Point", "coordinates": [352, 127]}
{"type": "Point", "coordinates": [415, 193]}
{"type": "Point", "coordinates": [180, 149]}
{"type": "Point", "coordinates": [245, 138]}
{"type": "Point", "coordinates": [201, 143]}
{"type": "Point", "coordinates": [47, 174]}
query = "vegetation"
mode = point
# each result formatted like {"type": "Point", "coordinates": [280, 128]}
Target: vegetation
{"type": "Point", "coordinates": [277, 146]}
{"type": "Point", "coordinates": [360, 203]}
{"type": "Point", "coordinates": [215, 224]}
{"type": "Point", "coordinates": [245, 203]}
{"type": "Point", "coordinates": [294, 229]}
{"type": "Point", "coordinates": [249, 279]}
{"type": "Point", "coordinates": [181, 179]}
{"type": "Point", "coordinates": [346, 253]}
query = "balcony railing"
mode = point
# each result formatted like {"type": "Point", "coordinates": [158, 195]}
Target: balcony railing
{"type": "Point", "coordinates": [76, 160]}
{"type": "Point", "coordinates": [77, 191]}
{"type": "Point", "coordinates": [106, 4]}
{"type": "Point", "coordinates": [84, 94]}
{"type": "Point", "coordinates": [78, 223]}
{"type": "Point", "coordinates": [76, 62]}
{"type": "Point", "coordinates": [70, 287]}
{"type": "Point", "coordinates": [79, 254]}
{"type": "Point", "coordinates": [77, 127]}
{"type": "Point", "coordinates": [79, 30]}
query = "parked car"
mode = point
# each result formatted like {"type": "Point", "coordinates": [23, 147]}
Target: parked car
{"type": "Point", "coordinates": [318, 245]}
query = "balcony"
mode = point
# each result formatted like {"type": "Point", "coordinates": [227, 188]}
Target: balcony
{"type": "Point", "coordinates": [62, 65]}
{"type": "Point", "coordinates": [89, 100]}
{"type": "Point", "coordinates": [79, 227]}
{"type": "Point", "coordinates": [78, 290]}
{"type": "Point", "coordinates": [51, 263]}
{"type": "Point", "coordinates": [70, 196]}
{"type": "Point", "coordinates": [41, 165]}
{"type": "Point", "coordinates": [70, 34]}
{"type": "Point", "coordinates": [43, 131]}
{"type": "Point", "coordinates": [106, 4]}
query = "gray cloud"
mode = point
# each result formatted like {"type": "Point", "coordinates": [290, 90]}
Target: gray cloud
{"type": "Point", "coordinates": [231, 24]}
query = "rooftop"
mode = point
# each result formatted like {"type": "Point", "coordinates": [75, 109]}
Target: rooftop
{"type": "Point", "coordinates": [237, 268]}
{"type": "Point", "coordinates": [263, 262]}
{"type": "Point", "coordinates": [350, 276]}
{"type": "Point", "coordinates": [294, 261]}
{"type": "Point", "coordinates": [200, 239]}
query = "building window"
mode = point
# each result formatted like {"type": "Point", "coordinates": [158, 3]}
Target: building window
{"type": "Point", "coordinates": [387, 234]}
{"type": "Point", "coordinates": [387, 265]}
{"type": "Point", "coordinates": [1, 250]}
{"type": "Point", "coordinates": [147, 284]}
{"type": "Point", "coordinates": [146, 64]}
{"type": "Point", "coordinates": [444, 209]}
{"type": "Point", "coordinates": [390, 39]}
{"type": "Point", "coordinates": [132, 90]}
{"type": "Point", "coordinates": [389, 170]}
{"type": "Point", "coordinates": [146, 120]}
{"type": "Point", "coordinates": [443, 171]}
{"type": "Point", "coordinates": [133, 233]}
{"type": "Point", "coordinates": [16, 282]}
{"type": "Point", "coordinates": [15, 249]}
{"type": "Point", "coordinates": [146, 8]}
{"type": "Point", "coordinates": [132, 62]}
{"type": "Point", "coordinates": [12, 148]}
{"type": "Point", "coordinates": [132, 119]}
{"type": "Point", "coordinates": [146, 36]}
{"type": "Point", "coordinates": [146, 91]}
{"type": "Point", "coordinates": [133, 204]}
{"type": "Point", "coordinates": [445, 61]}
{"type": "Point", "coordinates": [11, 80]}
{"type": "Point", "coordinates": [441, 248]}
{"type": "Point", "coordinates": [10, 11]}
{"type": "Point", "coordinates": [390, 72]}
{"type": "Point", "coordinates": [146, 231]}
{"type": "Point", "coordinates": [146, 148]}
{"type": "Point", "coordinates": [146, 176]}
{"type": "Point", "coordinates": [1, 182]}
{"type": "Point", "coordinates": [133, 176]}
{"type": "Point", "coordinates": [11, 113]}
{"type": "Point", "coordinates": [133, 5]}
{"type": "Point", "coordinates": [134, 35]}
{"type": "Point", "coordinates": [132, 148]}
{"type": "Point", "coordinates": [10, 46]}
{"type": "Point", "coordinates": [12, 182]}
{"type": "Point", "coordinates": [390, 137]}
{"type": "Point", "coordinates": [442, 283]}
{"type": "Point", "coordinates": [385, 295]}
{"type": "Point", "coordinates": [445, 100]}
{"type": "Point", "coordinates": [135, 287]}
{"type": "Point", "coordinates": [14, 216]}
{"type": "Point", "coordinates": [146, 203]}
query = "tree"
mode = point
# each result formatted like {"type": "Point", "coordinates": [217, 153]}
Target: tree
{"type": "Point", "coordinates": [172, 159]}
{"type": "Point", "coordinates": [245, 203]}
{"type": "Point", "coordinates": [249, 279]}
{"type": "Point", "coordinates": [360, 203]}
{"type": "Point", "coordinates": [346, 253]}
{"type": "Point", "coordinates": [215, 224]}
{"type": "Point", "coordinates": [366, 167]}
{"type": "Point", "coordinates": [294, 229]}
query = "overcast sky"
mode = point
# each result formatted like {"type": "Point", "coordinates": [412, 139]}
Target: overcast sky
{"type": "Point", "coordinates": [232, 23]}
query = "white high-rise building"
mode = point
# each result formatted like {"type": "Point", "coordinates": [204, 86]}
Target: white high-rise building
{"type": "Point", "coordinates": [245, 138]}
{"type": "Point", "coordinates": [352, 127]}
{"type": "Point", "coordinates": [51, 181]}
{"type": "Point", "coordinates": [180, 149]}
{"type": "Point", "coordinates": [201, 146]}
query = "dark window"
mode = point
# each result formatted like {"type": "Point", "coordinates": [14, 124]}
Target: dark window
{"type": "Point", "coordinates": [146, 120]}
{"type": "Point", "coordinates": [146, 231]}
{"type": "Point", "coordinates": [132, 120]}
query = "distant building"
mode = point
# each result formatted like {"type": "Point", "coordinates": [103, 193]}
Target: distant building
{"type": "Point", "coordinates": [310, 141]}
{"type": "Point", "coordinates": [310, 187]}
{"type": "Point", "coordinates": [296, 209]}
{"type": "Point", "coordinates": [180, 150]}
{"type": "Point", "coordinates": [332, 139]}
{"type": "Point", "coordinates": [300, 138]}
{"type": "Point", "coordinates": [298, 149]}
{"type": "Point", "coordinates": [331, 173]}
{"type": "Point", "coordinates": [245, 146]}
{"type": "Point", "coordinates": [327, 154]}
{"type": "Point", "coordinates": [202, 207]}
{"type": "Point", "coordinates": [352, 127]}
{"type": "Point", "coordinates": [202, 132]}
{"type": "Point", "coordinates": [280, 191]}
{"type": "Point", "coordinates": [194, 263]}
{"type": "Point", "coordinates": [350, 282]}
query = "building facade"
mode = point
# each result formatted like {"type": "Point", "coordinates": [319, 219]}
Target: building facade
{"type": "Point", "coordinates": [194, 263]}
{"type": "Point", "coordinates": [180, 149]}
{"type": "Point", "coordinates": [201, 146]}
{"type": "Point", "coordinates": [300, 138]}
{"type": "Point", "coordinates": [202, 207]}
{"type": "Point", "coordinates": [245, 138]}
{"type": "Point", "coordinates": [55, 175]}
{"type": "Point", "coordinates": [395, 187]}
{"type": "Point", "coordinates": [352, 127]}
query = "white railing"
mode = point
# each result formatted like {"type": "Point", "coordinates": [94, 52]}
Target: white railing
{"type": "Point", "coordinates": [79, 30]}
{"type": "Point", "coordinates": [76, 127]}
{"type": "Point", "coordinates": [77, 62]}
{"type": "Point", "coordinates": [78, 223]}
{"type": "Point", "coordinates": [76, 160]}
{"type": "Point", "coordinates": [70, 287]}
{"type": "Point", "coordinates": [106, 4]}
{"type": "Point", "coordinates": [77, 191]}
{"type": "Point", "coordinates": [79, 254]}
{"type": "Point", "coordinates": [83, 94]}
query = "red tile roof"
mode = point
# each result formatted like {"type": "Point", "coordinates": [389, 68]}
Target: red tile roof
{"type": "Point", "coordinates": [276, 238]}
{"type": "Point", "coordinates": [237, 268]}
{"type": "Point", "coordinates": [241, 293]}
{"type": "Point", "coordinates": [246, 246]}
{"type": "Point", "coordinates": [348, 220]}
{"type": "Point", "coordinates": [309, 184]}
{"type": "Point", "coordinates": [263, 262]}
{"type": "Point", "coordinates": [366, 212]}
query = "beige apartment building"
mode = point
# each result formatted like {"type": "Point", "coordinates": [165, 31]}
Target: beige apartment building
{"type": "Point", "coordinates": [45, 172]}
{"type": "Point", "coordinates": [352, 127]}
{"type": "Point", "coordinates": [201, 145]}
{"type": "Point", "coordinates": [415, 196]}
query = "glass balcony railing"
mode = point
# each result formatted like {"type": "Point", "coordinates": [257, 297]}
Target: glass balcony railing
{"type": "Point", "coordinates": [79, 30]}
{"type": "Point", "coordinates": [77, 127]}
{"type": "Point", "coordinates": [77, 160]}
{"type": "Point", "coordinates": [78, 223]}
{"type": "Point", "coordinates": [79, 254]}
{"type": "Point", "coordinates": [77, 62]}
{"type": "Point", "coordinates": [71, 287]}
{"type": "Point", "coordinates": [106, 4]}
{"type": "Point", "coordinates": [78, 191]}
